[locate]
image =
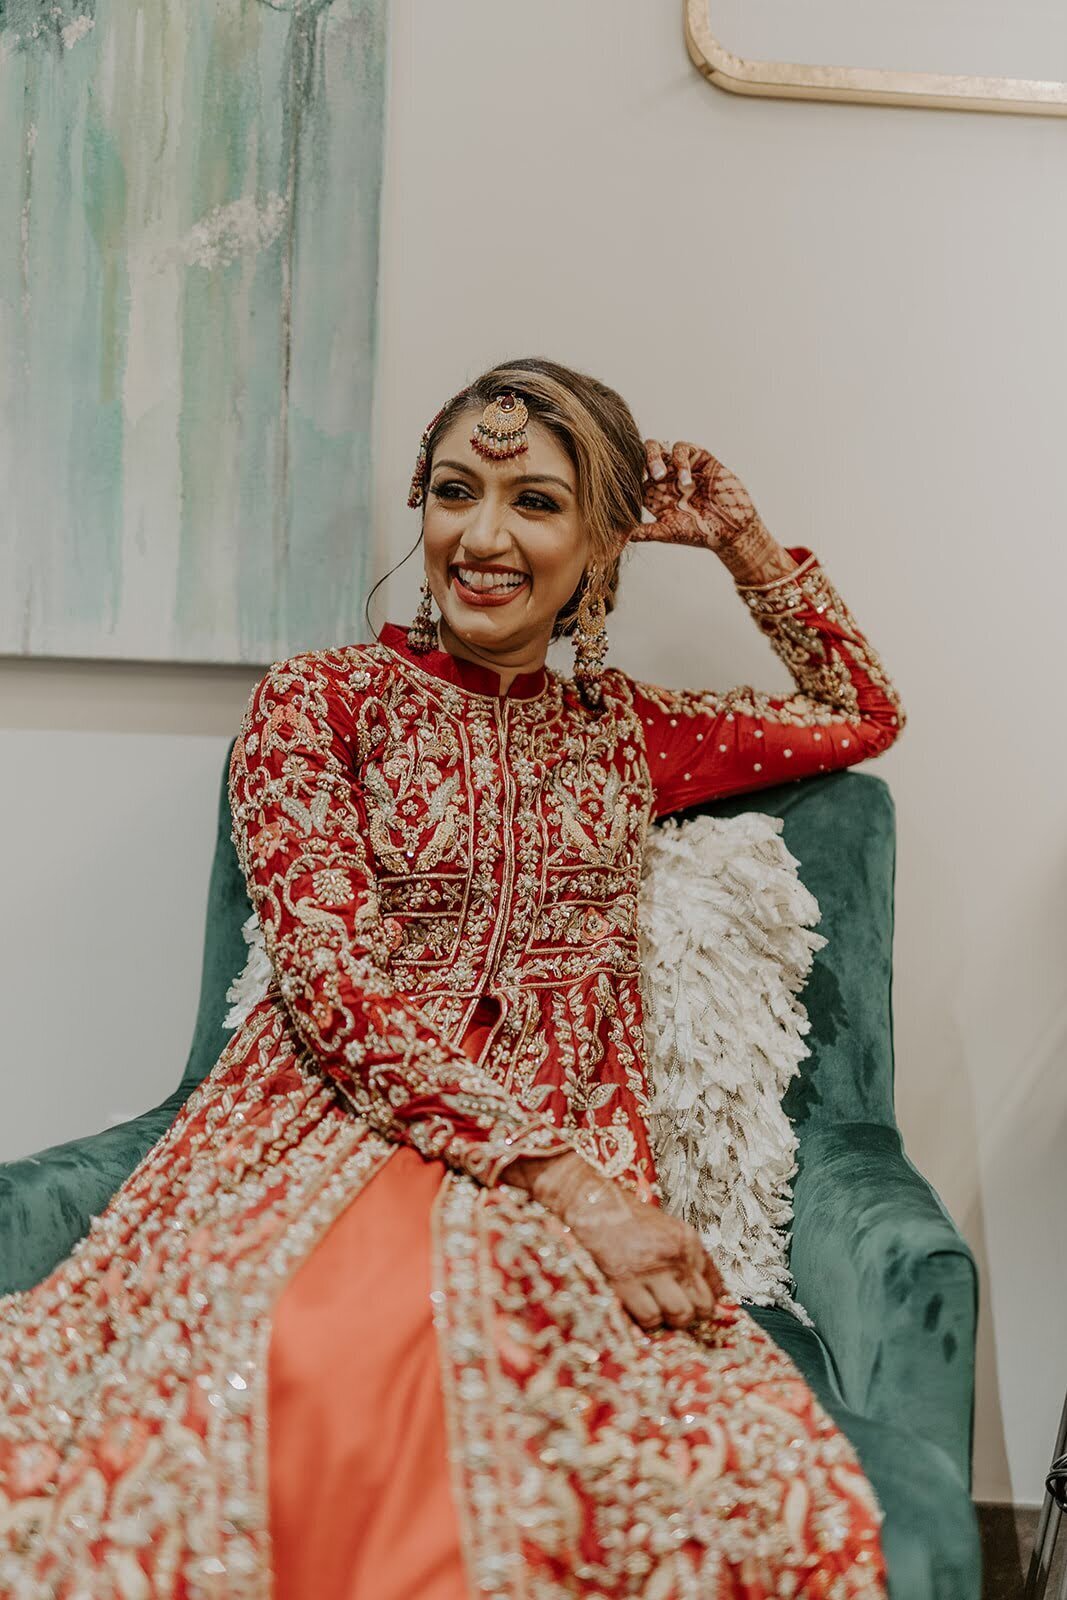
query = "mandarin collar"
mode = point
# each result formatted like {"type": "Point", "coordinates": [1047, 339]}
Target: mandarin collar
{"type": "Point", "coordinates": [469, 675]}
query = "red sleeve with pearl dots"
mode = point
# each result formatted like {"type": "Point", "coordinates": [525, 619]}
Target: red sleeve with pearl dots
{"type": "Point", "coordinates": [703, 745]}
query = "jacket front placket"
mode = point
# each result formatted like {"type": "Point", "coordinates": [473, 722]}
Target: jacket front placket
{"type": "Point", "coordinates": [494, 852]}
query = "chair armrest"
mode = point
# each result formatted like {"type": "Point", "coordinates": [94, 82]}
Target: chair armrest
{"type": "Point", "coordinates": [889, 1282]}
{"type": "Point", "coordinates": [47, 1200]}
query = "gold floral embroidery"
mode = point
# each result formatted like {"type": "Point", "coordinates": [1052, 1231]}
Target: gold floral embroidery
{"type": "Point", "coordinates": [812, 630]}
{"type": "Point", "coordinates": [593, 1459]}
{"type": "Point", "coordinates": [133, 1380]}
{"type": "Point", "coordinates": [411, 846]}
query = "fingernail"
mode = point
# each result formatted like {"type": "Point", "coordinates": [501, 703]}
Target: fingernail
{"type": "Point", "coordinates": [658, 469]}
{"type": "Point", "coordinates": [685, 477]}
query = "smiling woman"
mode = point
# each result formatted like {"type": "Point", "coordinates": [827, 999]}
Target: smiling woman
{"type": "Point", "coordinates": [524, 548]}
{"type": "Point", "coordinates": [393, 1308]}
{"type": "Point", "coordinates": [499, 534]}
{"type": "Point", "coordinates": [513, 544]}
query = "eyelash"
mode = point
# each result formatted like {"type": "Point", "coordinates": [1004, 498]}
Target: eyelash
{"type": "Point", "coordinates": [545, 502]}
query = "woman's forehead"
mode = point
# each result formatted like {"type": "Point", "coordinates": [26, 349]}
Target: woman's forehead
{"type": "Point", "coordinates": [545, 453]}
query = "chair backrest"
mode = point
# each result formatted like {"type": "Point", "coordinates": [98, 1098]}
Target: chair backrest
{"type": "Point", "coordinates": [228, 908]}
{"type": "Point", "coordinates": [841, 829]}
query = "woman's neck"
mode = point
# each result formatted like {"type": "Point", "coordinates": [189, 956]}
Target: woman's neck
{"type": "Point", "coordinates": [508, 666]}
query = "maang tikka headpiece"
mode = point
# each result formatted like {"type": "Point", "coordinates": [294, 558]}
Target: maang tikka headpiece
{"type": "Point", "coordinates": [499, 434]}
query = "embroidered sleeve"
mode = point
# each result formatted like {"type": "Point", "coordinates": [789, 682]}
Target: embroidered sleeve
{"type": "Point", "coordinates": [702, 745]}
{"type": "Point", "coordinates": [300, 829]}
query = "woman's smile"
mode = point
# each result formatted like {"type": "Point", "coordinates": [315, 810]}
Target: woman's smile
{"type": "Point", "coordinates": [487, 586]}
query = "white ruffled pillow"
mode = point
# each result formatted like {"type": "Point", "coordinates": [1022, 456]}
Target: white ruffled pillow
{"type": "Point", "coordinates": [252, 982]}
{"type": "Point", "coordinates": [726, 946]}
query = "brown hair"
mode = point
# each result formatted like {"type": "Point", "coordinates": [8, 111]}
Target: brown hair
{"type": "Point", "coordinates": [597, 429]}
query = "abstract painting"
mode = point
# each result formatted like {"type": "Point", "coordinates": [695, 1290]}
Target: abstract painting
{"type": "Point", "coordinates": [189, 205]}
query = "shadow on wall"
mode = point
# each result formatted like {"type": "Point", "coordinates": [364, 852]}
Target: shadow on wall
{"type": "Point", "coordinates": [935, 1092]}
{"type": "Point", "coordinates": [1023, 1189]}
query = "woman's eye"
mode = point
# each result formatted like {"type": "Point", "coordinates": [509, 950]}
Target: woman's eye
{"type": "Point", "coordinates": [537, 502]}
{"type": "Point", "coordinates": [451, 491]}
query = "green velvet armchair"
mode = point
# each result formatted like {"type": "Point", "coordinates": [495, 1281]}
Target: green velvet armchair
{"type": "Point", "coordinates": [879, 1264]}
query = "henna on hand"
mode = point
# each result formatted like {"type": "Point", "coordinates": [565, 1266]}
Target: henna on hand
{"type": "Point", "coordinates": [696, 500]}
{"type": "Point", "coordinates": [756, 558]}
{"type": "Point", "coordinates": [656, 1263]}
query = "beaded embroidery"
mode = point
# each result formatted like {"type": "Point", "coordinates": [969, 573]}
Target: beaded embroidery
{"type": "Point", "coordinates": [409, 846]}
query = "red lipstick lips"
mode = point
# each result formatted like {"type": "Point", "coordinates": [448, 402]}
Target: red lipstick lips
{"type": "Point", "coordinates": [488, 597]}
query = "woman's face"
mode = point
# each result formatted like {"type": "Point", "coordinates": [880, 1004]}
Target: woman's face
{"type": "Point", "coordinates": [504, 545]}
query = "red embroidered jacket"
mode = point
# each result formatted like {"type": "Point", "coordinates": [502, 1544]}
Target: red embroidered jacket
{"type": "Point", "coordinates": [416, 843]}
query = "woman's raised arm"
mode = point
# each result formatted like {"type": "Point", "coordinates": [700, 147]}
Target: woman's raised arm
{"type": "Point", "coordinates": [300, 828]}
{"type": "Point", "coordinates": [701, 744]}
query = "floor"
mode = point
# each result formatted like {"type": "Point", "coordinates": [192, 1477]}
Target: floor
{"type": "Point", "coordinates": [1007, 1540]}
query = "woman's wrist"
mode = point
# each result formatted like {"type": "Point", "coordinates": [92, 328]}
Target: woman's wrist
{"type": "Point", "coordinates": [756, 557]}
{"type": "Point", "coordinates": [554, 1181]}
{"type": "Point", "coordinates": [524, 1172]}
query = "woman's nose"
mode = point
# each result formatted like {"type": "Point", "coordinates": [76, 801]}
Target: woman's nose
{"type": "Point", "coordinates": [486, 533]}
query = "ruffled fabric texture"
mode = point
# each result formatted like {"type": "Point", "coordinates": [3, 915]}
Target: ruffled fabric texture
{"type": "Point", "coordinates": [727, 943]}
{"type": "Point", "coordinates": [251, 984]}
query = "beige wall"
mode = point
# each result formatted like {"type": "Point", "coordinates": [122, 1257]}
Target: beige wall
{"type": "Point", "coordinates": [861, 310]}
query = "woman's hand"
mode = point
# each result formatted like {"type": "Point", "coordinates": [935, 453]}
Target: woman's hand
{"type": "Point", "coordinates": [698, 501]}
{"type": "Point", "coordinates": [655, 1263]}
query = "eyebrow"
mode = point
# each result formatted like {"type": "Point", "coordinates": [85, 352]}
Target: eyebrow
{"type": "Point", "coordinates": [529, 477]}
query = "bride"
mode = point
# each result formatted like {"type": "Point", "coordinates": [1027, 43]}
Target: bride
{"type": "Point", "coordinates": [393, 1308]}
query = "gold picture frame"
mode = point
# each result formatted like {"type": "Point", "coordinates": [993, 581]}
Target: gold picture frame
{"type": "Point", "coordinates": [1028, 97]}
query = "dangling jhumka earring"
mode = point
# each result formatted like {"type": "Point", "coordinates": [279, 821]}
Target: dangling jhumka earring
{"type": "Point", "coordinates": [422, 635]}
{"type": "Point", "coordinates": [590, 638]}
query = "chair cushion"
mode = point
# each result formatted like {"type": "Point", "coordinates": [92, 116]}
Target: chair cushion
{"type": "Point", "coordinates": [224, 947]}
{"type": "Point", "coordinates": [46, 1200]}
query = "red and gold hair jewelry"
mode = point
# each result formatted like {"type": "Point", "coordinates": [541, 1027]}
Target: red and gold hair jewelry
{"type": "Point", "coordinates": [417, 492]}
{"type": "Point", "coordinates": [501, 431]}
{"type": "Point", "coordinates": [500, 434]}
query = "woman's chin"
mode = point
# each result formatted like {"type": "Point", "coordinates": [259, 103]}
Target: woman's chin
{"type": "Point", "coordinates": [490, 628]}
{"type": "Point", "coordinates": [485, 622]}
{"type": "Point", "coordinates": [481, 628]}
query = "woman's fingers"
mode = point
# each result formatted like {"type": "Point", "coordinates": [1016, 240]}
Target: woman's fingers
{"type": "Point", "coordinates": [699, 1292]}
{"type": "Point", "coordinates": [660, 1298]}
{"type": "Point", "coordinates": [675, 1304]}
{"type": "Point", "coordinates": [703, 1289]}
{"type": "Point", "coordinates": [639, 1302]}
{"type": "Point", "coordinates": [712, 1277]}
{"type": "Point", "coordinates": [654, 452]}
{"type": "Point", "coordinates": [701, 1267]}
{"type": "Point", "coordinates": [682, 460]}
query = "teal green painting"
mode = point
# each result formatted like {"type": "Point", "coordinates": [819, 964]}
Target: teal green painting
{"type": "Point", "coordinates": [189, 203]}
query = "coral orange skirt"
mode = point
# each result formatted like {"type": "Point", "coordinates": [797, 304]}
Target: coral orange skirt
{"type": "Point", "coordinates": [361, 1506]}
{"type": "Point", "coordinates": [360, 1493]}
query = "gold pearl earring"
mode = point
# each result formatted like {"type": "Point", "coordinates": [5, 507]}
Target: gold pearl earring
{"type": "Point", "coordinates": [422, 635]}
{"type": "Point", "coordinates": [590, 638]}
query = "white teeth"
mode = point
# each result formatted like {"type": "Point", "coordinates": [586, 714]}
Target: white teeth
{"type": "Point", "coordinates": [488, 580]}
